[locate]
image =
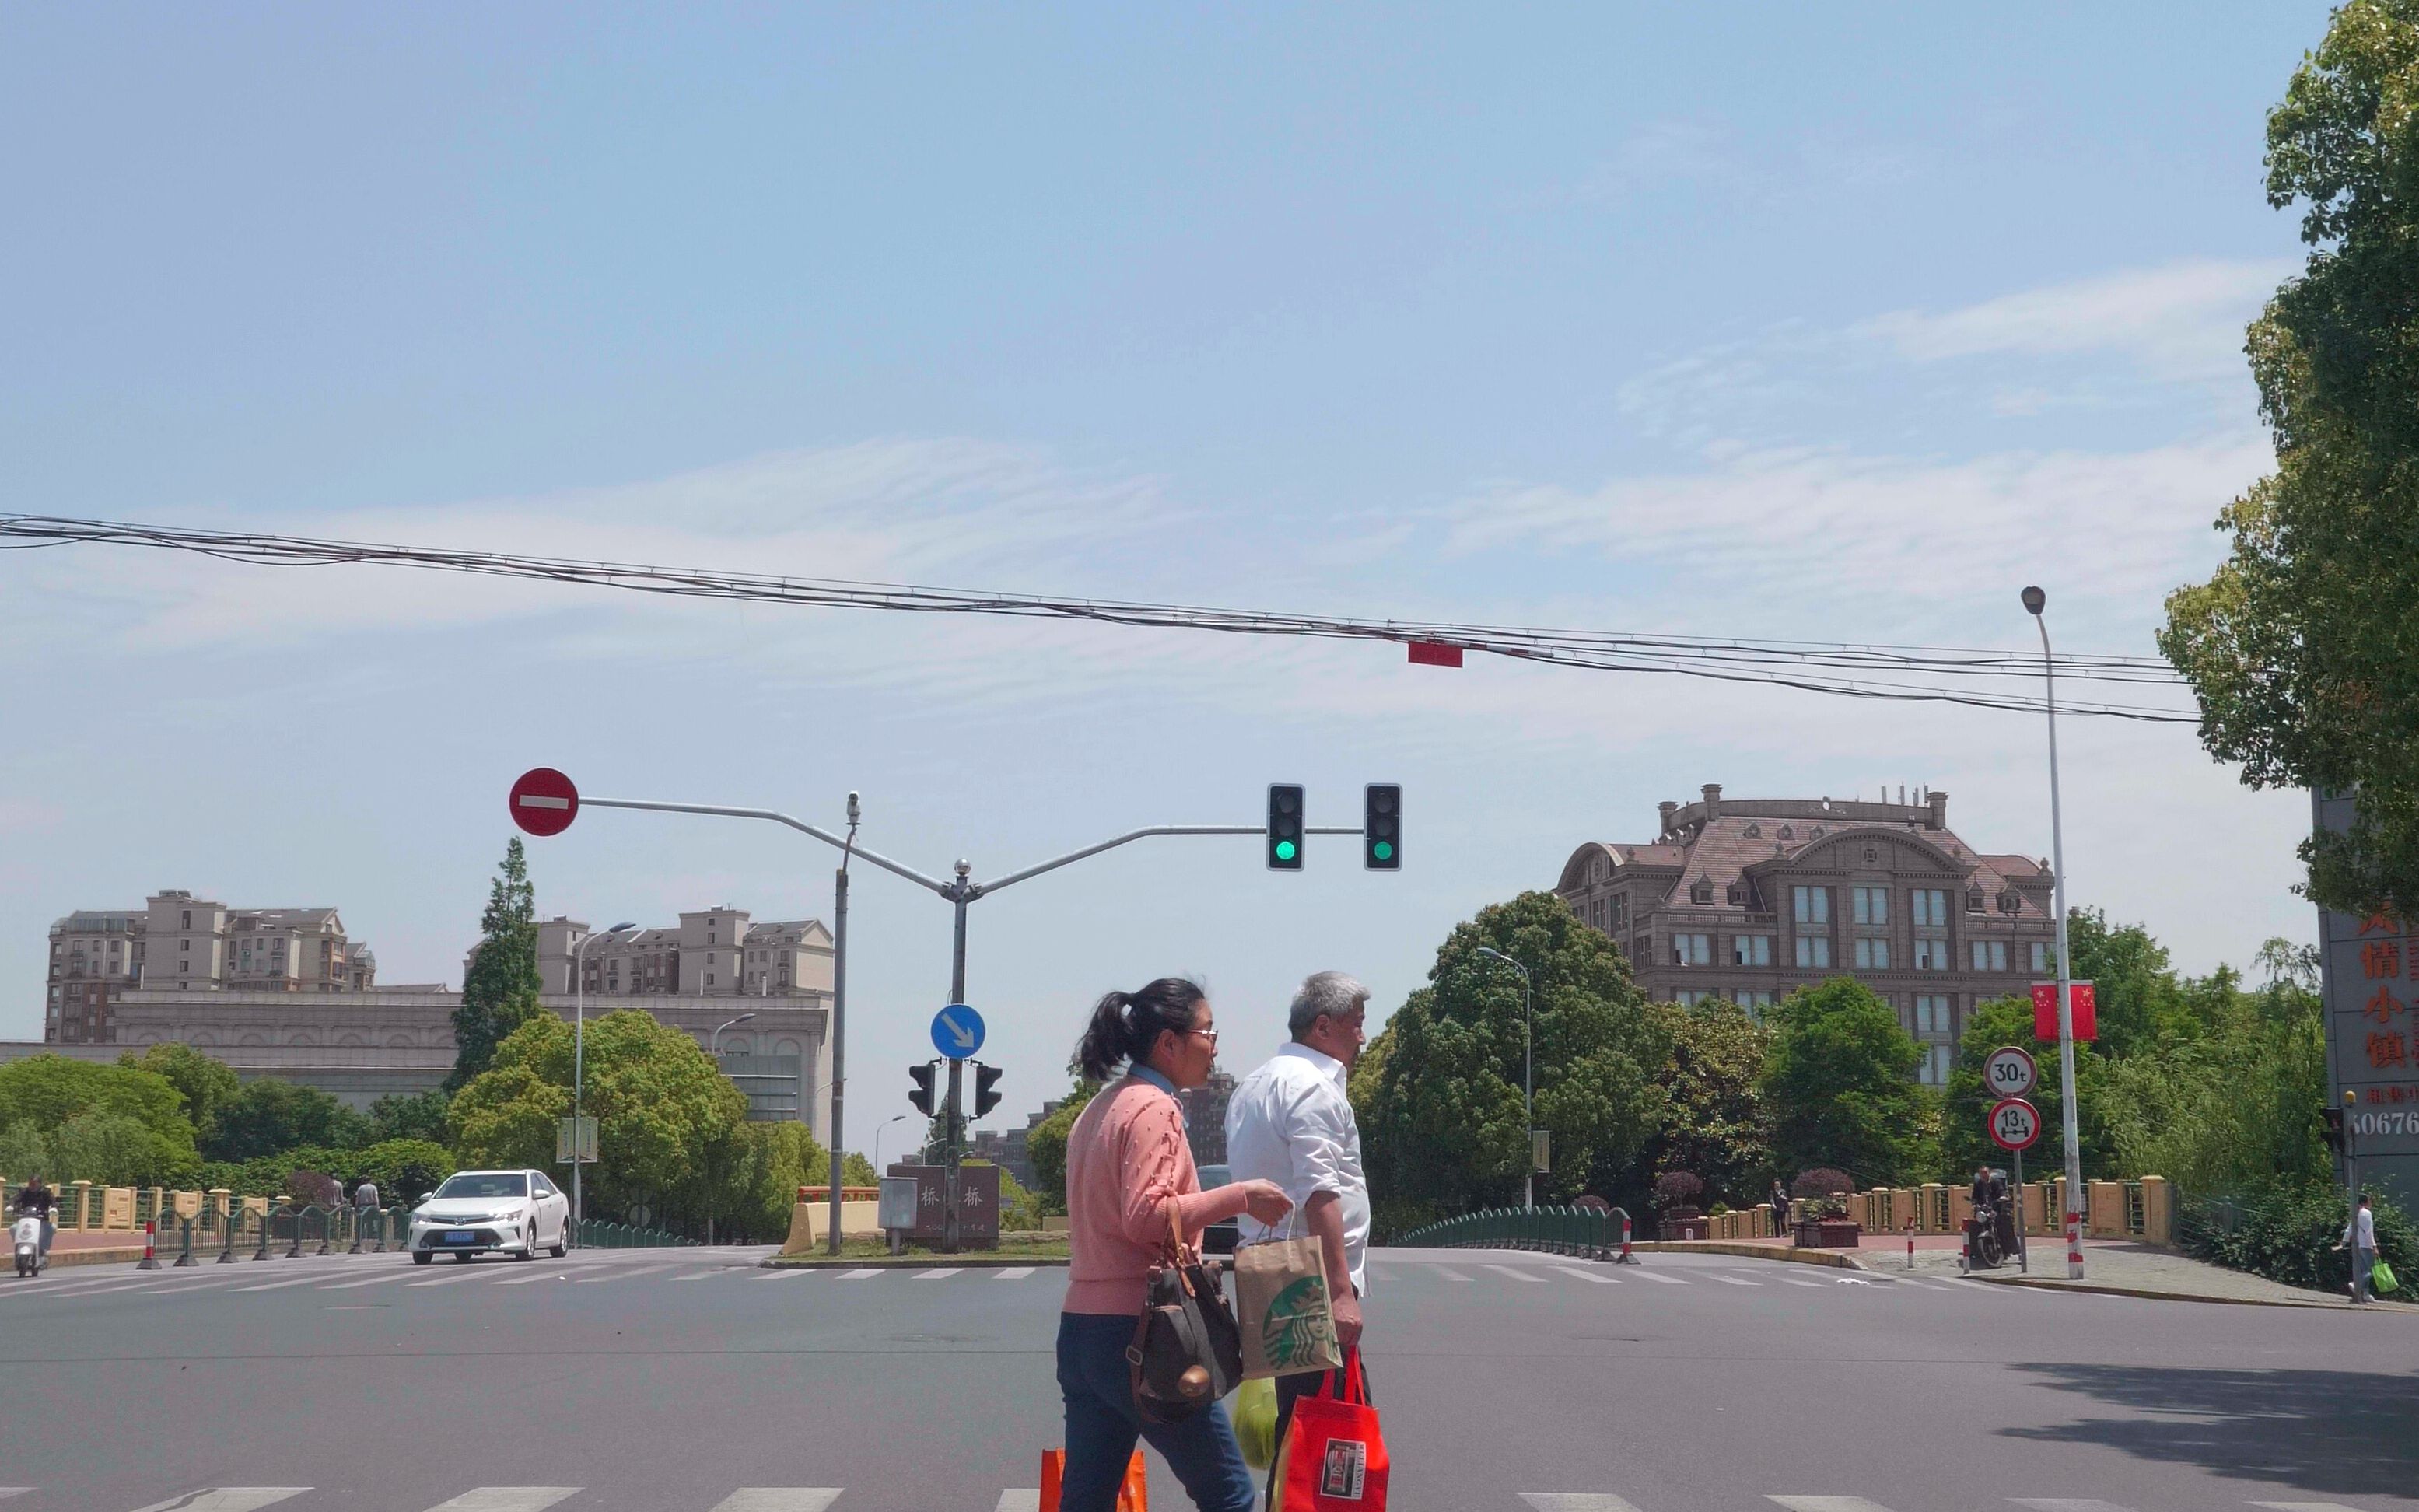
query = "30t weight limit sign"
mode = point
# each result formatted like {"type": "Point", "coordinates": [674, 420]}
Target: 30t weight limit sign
{"type": "Point", "coordinates": [2010, 1071]}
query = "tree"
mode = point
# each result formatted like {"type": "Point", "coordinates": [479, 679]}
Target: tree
{"type": "Point", "coordinates": [2302, 648]}
{"type": "Point", "coordinates": [1714, 1126]}
{"type": "Point", "coordinates": [205, 1085]}
{"type": "Point", "coordinates": [49, 1091]}
{"type": "Point", "coordinates": [1446, 1131]}
{"type": "Point", "coordinates": [1965, 1136]}
{"type": "Point", "coordinates": [2135, 997]}
{"type": "Point", "coordinates": [406, 1171]}
{"type": "Point", "coordinates": [1841, 1083]}
{"type": "Point", "coordinates": [668, 1120]}
{"type": "Point", "coordinates": [500, 989]}
{"type": "Point", "coordinates": [411, 1116]}
{"type": "Point", "coordinates": [1046, 1145]}
{"type": "Point", "coordinates": [269, 1115]}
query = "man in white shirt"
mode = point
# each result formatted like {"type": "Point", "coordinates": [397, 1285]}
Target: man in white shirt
{"type": "Point", "coordinates": [1291, 1121]}
{"type": "Point", "coordinates": [2361, 1236]}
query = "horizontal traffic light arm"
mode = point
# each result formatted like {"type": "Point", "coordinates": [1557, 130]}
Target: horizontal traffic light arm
{"type": "Point", "coordinates": [1130, 836]}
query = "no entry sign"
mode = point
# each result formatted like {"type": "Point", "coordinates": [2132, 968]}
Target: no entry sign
{"type": "Point", "coordinates": [2014, 1123]}
{"type": "Point", "coordinates": [543, 801]}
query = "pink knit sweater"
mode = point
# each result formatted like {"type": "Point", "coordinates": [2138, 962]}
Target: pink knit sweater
{"type": "Point", "coordinates": [1126, 1161]}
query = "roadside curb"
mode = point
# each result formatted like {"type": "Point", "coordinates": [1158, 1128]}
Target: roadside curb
{"type": "Point", "coordinates": [887, 1263]}
{"type": "Point", "coordinates": [1836, 1260]}
{"type": "Point", "coordinates": [2315, 1305]}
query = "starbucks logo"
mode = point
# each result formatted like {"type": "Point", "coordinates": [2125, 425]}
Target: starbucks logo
{"type": "Point", "coordinates": [1297, 1328]}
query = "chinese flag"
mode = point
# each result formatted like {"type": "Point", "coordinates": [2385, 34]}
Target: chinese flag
{"type": "Point", "coordinates": [2087, 1018]}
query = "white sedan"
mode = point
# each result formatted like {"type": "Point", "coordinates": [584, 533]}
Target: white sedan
{"type": "Point", "coordinates": [511, 1213]}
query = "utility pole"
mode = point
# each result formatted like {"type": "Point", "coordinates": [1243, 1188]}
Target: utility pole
{"type": "Point", "coordinates": [1528, 1078]}
{"type": "Point", "coordinates": [960, 894]}
{"type": "Point", "coordinates": [840, 1018]}
{"type": "Point", "coordinates": [2034, 602]}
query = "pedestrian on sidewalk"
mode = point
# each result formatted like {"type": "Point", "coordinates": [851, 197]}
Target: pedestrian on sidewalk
{"type": "Point", "coordinates": [1780, 1209]}
{"type": "Point", "coordinates": [366, 1196]}
{"type": "Point", "coordinates": [1290, 1121]}
{"type": "Point", "coordinates": [2360, 1235]}
{"type": "Point", "coordinates": [1127, 1165]}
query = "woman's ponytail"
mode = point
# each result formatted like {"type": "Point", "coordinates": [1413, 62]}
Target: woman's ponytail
{"type": "Point", "coordinates": [1124, 1026]}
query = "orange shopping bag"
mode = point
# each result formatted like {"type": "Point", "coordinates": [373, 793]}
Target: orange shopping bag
{"type": "Point", "coordinates": [1334, 1457]}
{"type": "Point", "coordinates": [1133, 1496]}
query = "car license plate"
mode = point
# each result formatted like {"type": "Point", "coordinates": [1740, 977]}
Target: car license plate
{"type": "Point", "coordinates": [459, 1236]}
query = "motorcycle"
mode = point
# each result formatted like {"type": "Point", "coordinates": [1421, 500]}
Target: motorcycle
{"type": "Point", "coordinates": [28, 1233]}
{"type": "Point", "coordinates": [1984, 1248]}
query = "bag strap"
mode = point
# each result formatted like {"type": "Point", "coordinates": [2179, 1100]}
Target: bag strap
{"type": "Point", "coordinates": [1353, 1387]}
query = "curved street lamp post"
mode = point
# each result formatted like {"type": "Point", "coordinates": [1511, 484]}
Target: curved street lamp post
{"type": "Point", "coordinates": [1527, 1075]}
{"type": "Point", "coordinates": [580, 1055]}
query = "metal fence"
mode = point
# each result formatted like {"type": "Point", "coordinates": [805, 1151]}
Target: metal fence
{"type": "Point", "coordinates": [1588, 1233]}
{"type": "Point", "coordinates": [594, 1233]}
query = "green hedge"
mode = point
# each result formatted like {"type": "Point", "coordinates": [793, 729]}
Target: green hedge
{"type": "Point", "coordinates": [2289, 1236]}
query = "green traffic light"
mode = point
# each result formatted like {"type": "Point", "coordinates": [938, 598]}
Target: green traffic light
{"type": "Point", "coordinates": [1285, 849]}
{"type": "Point", "coordinates": [1383, 850]}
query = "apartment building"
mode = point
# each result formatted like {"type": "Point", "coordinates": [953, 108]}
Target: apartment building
{"type": "Point", "coordinates": [178, 942]}
{"type": "Point", "coordinates": [713, 952]}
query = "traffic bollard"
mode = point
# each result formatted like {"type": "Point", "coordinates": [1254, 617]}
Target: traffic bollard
{"type": "Point", "coordinates": [326, 1233]}
{"type": "Point", "coordinates": [150, 1260]}
{"type": "Point", "coordinates": [1910, 1243]}
{"type": "Point", "coordinates": [1627, 1257]}
{"type": "Point", "coordinates": [295, 1252]}
{"type": "Point", "coordinates": [185, 1251]}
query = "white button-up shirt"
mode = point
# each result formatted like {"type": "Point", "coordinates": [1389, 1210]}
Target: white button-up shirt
{"type": "Point", "coordinates": [1290, 1123]}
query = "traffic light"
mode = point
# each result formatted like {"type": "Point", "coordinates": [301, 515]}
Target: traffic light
{"type": "Point", "coordinates": [1285, 827]}
{"type": "Point", "coordinates": [2334, 1128]}
{"type": "Point", "coordinates": [922, 1096]}
{"type": "Point", "coordinates": [1382, 827]}
{"type": "Point", "coordinates": [986, 1089]}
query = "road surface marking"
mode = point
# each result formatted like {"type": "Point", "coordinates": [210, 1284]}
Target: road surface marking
{"type": "Point", "coordinates": [188, 1285]}
{"type": "Point", "coordinates": [782, 1499]}
{"type": "Point", "coordinates": [468, 1273]}
{"type": "Point", "coordinates": [1450, 1273]}
{"type": "Point", "coordinates": [280, 1286]}
{"type": "Point", "coordinates": [515, 1281]}
{"type": "Point", "coordinates": [1028, 1500]}
{"type": "Point", "coordinates": [697, 1275]}
{"type": "Point", "coordinates": [1733, 1280]}
{"type": "Point", "coordinates": [937, 1272]}
{"type": "Point", "coordinates": [1644, 1274]}
{"type": "Point", "coordinates": [227, 1499]}
{"type": "Point", "coordinates": [1576, 1502]}
{"type": "Point", "coordinates": [865, 1274]}
{"type": "Point", "coordinates": [2065, 1504]}
{"type": "Point", "coordinates": [7, 1491]}
{"type": "Point", "coordinates": [370, 1281]}
{"type": "Point", "coordinates": [624, 1275]}
{"type": "Point", "coordinates": [1828, 1504]}
{"type": "Point", "coordinates": [1516, 1273]}
{"type": "Point", "coordinates": [1018, 1273]}
{"type": "Point", "coordinates": [507, 1499]}
{"type": "Point", "coordinates": [1796, 1281]}
{"type": "Point", "coordinates": [2306, 1506]}
{"type": "Point", "coordinates": [787, 1272]}
{"type": "Point", "coordinates": [1599, 1280]}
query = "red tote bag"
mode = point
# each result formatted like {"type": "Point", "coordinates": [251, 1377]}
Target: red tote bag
{"type": "Point", "coordinates": [1336, 1458]}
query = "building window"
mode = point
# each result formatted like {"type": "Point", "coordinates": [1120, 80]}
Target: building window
{"type": "Point", "coordinates": [1872, 904]}
{"type": "Point", "coordinates": [1813, 905]}
{"type": "Point", "coordinates": [1690, 998]}
{"type": "Point", "coordinates": [709, 979]}
{"type": "Point", "coordinates": [2041, 957]}
{"type": "Point", "coordinates": [1932, 1069]}
{"type": "Point", "coordinates": [1974, 900]}
{"type": "Point", "coordinates": [1990, 956]}
{"type": "Point", "coordinates": [1754, 1002]}
{"type": "Point", "coordinates": [1752, 949]}
{"type": "Point", "coordinates": [1931, 904]}
{"type": "Point", "coordinates": [1692, 950]}
{"type": "Point", "coordinates": [1701, 891]}
{"type": "Point", "coordinates": [1930, 1013]}
{"type": "Point", "coordinates": [1873, 955]}
{"type": "Point", "coordinates": [1813, 950]}
{"type": "Point", "coordinates": [1931, 955]}
{"type": "Point", "coordinates": [1755, 832]}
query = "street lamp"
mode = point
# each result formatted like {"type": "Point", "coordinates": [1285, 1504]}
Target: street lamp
{"type": "Point", "coordinates": [877, 1141]}
{"type": "Point", "coordinates": [579, 1055]}
{"type": "Point", "coordinates": [2034, 601]}
{"type": "Point", "coordinates": [1528, 1076]}
{"type": "Point", "coordinates": [714, 1044]}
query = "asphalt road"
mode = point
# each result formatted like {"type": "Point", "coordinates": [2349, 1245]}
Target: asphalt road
{"type": "Point", "coordinates": [690, 1381]}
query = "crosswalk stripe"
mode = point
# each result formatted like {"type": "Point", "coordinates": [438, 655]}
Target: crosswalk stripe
{"type": "Point", "coordinates": [2065, 1504]}
{"type": "Point", "coordinates": [188, 1285]}
{"type": "Point", "coordinates": [1828, 1504]}
{"type": "Point", "coordinates": [227, 1499]}
{"type": "Point", "coordinates": [1576, 1502]}
{"type": "Point", "coordinates": [366, 1281]}
{"type": "Point", "coordinates": [865, 1274]}
{"type": "Point", "coordinates": [525, 1280]}
{"type": "Point", "coordinates": [1796, 1281]}
{"type": "Point", "coordinates": [7, 1491]}
{"type": "Point", "coordinates": [506, 1498]}
{"type": "Point", "coordinates": [280, 1286]}
{"type": "Point", "coordinates": [1018, 1273]}
{"type": "Point", "coordinates": [622, 1275]}
{"type": "Point", "coordinates": [1644, 1274]}
{"type": "Point", "coordinates": [1583, 1275]}
{"type": "Point", "coordinates": [937, 1272]}
{"type": "Point", "coordinates": [782, 1499]}
{"type": "Point", "coordinates": [697, 1275]}
{"type": "Point", "coordinates": [1028, 1500]}
{"type": "Point", "coordinates": [787, 1272]}
{"type": "Point", "coordinates": [464, 1273]}
{"type": "Point", "coordinates": [2306, 1506]}
{"type": "Point", "coordinates": [1450, 1273]}
{"type": "Point", "coordinates": [1734, 1280]}
{"type": "Point", "coordinates": [1516, 1273]}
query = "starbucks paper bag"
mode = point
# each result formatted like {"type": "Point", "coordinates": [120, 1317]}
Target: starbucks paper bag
{"type": "Point", "coordinates": [1281, 1302]}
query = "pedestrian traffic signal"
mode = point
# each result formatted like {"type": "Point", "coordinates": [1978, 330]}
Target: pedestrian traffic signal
{"type": "Point", "coordinates": [1382, 827]}
{"type": "Point", "coordinates": [921, 1098]}
{"type": "Point", "coordinates": [2333, 1129]}
{"type": "Point", "coordinates": [986, 1089]}
{"type": "Point", "coordinates": [1285, 827]}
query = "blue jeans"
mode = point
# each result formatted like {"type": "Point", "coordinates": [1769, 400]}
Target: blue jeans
{"type": "Point", "coordinates": [1103, 1424]}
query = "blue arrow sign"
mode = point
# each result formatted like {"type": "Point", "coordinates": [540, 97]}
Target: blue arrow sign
{"type": "Point", "coordinates": [956, 1031]}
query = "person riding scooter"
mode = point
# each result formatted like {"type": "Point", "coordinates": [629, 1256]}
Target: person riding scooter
{"type": "Point", "coordinates": [39, 1201]}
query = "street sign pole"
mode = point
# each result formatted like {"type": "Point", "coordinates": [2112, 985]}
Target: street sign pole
{"type": "Point", "coordinates": [957, 1068]}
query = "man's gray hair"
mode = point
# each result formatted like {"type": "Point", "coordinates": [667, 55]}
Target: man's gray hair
{"type": "Point", "coordinates": [1330, 993]}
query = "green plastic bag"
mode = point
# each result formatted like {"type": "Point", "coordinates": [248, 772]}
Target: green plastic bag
{"type": "Point", "coordinates": [1255, 1422]}
{"type": "Point", "coordinates": [2382, 1279]}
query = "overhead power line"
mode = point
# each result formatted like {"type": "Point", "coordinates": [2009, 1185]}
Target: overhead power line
{"type": "Point", "coordinates": [1979, 678]}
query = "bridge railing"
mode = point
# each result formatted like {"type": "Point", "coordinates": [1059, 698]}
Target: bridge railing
{"type": "Point", "coordinates": [596, 1233]}
{"type": "Point", "coordinates": [1586, 1233]}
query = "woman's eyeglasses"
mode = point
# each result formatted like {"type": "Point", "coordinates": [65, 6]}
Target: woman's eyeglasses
{"type": "Point", "coordinates": [1210, 1035]}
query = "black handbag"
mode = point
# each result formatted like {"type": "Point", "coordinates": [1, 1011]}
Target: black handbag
{"type": "Point", "coordinates": [1187, 1351]}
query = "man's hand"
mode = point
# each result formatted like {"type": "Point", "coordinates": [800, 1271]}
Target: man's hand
{"type": "Point", "coordinates": [1347, 1320]}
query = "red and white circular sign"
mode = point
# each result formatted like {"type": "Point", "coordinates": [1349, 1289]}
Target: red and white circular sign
{"type": "Point", "coordinates": [2009, 1071]}
{"type": "Point", "coordinates": [543, 801]}
{"type": "Point", "coordinates": [2014, 1123]}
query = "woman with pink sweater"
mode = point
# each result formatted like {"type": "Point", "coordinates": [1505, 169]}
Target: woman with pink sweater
{"type": "Point", "coordinates": [1127, 1165]}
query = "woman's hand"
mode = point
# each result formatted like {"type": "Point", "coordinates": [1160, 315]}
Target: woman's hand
{"type": "Point", "coordinates": [1265, 1200]}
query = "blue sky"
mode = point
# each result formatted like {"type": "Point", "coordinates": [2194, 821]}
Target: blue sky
{"type": "Point", "coordinates": [1760, 322]}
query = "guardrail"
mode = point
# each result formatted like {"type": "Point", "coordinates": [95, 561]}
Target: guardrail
{"type": "Point", "coordinates": [1587, 1233]}
{"type": "Point", "coordinates": [594, 1233]}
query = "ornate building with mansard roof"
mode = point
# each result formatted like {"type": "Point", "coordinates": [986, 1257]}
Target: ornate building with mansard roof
{"type": "Point", "coordinates": [1749, 900]}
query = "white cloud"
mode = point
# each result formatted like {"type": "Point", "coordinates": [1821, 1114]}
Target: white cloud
{"type": "Point", "coordinates": [2183, 321]}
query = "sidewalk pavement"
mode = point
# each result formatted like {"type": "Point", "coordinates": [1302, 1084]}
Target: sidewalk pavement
{"type": "Point", "coordinates": [2127, 1268]}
